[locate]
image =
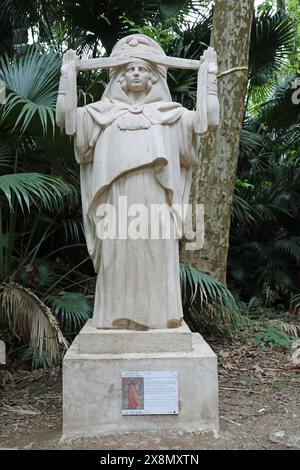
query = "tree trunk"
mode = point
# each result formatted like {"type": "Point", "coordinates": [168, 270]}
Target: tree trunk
{"type": "Point", "coordinates": [281, 5]}
{"type": "Point", "coordinates": [213, 181]}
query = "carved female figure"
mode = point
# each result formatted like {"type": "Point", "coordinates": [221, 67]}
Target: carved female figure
{"type": "Point", "coordinates": [135, 143]}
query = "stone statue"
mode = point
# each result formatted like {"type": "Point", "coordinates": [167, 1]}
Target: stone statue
{"type": "Point", "coordinates": [136, 143]}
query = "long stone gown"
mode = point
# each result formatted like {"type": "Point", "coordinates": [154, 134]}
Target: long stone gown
{"type": "Point", "coordinates": [144, 152]}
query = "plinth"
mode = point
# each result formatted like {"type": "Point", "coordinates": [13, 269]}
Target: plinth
{"type": "Point", "coordinates": [92, 381]}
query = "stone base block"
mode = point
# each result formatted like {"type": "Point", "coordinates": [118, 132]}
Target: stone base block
{"type": "Point", "coordinates": [92, 340]}
{"type": "Point", "coordinates": [92, 392]}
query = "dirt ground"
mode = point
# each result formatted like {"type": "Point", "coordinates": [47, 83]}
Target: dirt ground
{"type": "Point", "coordinates": [259, 407]}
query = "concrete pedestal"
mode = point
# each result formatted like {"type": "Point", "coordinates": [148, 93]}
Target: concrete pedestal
{"type": "Point", "coordinates": [92, 368]}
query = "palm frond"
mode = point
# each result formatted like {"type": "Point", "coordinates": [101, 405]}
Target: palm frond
{"type": "Point", "coordinates": [289, 247]}
{"type": "Point", "coordinates": [272, 40]}
{"type": "Point", "coordinates": [170, 9]}
{"type": "Point", "coordinates": [290, 329]}
{"type": "Point", "coordinates": [255, 306]}
{"type": "Point", "coordinates": [279, 112]}
{"type": "Point", "coordinates": [31, 320]}
{"type": "Point", "coordinates": [72, 310]}
{"type": "Point", "coordinates": [32, 83]}
{"type": "Point", "coordinates": [295, 302]}
{"type": "Point", "coordinates": [45, 191]}
{"type": "Point", "coordinates": [258, 251]}
{"type": "Point", "coordinates": [242, 211]}
{"type": "Point", "coordinates": [208, 305]}
{"type": "Point", "coordinates": [250, 142]}
{"type": "Point", "coordinates": [73, 229]}
{"type": "Point", "coordinates": [5, 154]}
{"type": "Point", "coordinates": [28, 355]}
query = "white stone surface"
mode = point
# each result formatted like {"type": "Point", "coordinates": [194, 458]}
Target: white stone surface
{"type": "Point", "coordinates": [135, 143]}
{"type": "Point", "coordinates": [92, 340]}
{"type": "Point", "coordinates": [2, 353]}
{"type": "Point", "coordinates": [92, 395]}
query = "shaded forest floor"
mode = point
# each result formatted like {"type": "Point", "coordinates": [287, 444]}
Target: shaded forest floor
{"type": "Point", "coordinates": [259, 391]}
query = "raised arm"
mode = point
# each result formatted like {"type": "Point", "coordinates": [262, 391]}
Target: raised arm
{"type": "Point", "coordinates": [67, 94]}
{"type": "Point", "coordinates": [61, 101]}
{"type": "Point", "coordinates": [213, 106]}
{"type": "Point", "coordinates": [207, 107]}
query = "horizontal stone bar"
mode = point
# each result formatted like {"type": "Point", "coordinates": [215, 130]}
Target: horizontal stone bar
{"type": "Point", "coordinates": [109, 62]}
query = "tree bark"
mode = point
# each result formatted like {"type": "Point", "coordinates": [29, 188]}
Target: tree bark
{"type": "Point", "coordinates": [213, 180]}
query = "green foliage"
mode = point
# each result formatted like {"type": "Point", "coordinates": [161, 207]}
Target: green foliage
{"type": "Point", "coordinates": [255, 307]}
{"type": "Point", "coordinates": [276, 385]}
{"type": "Point", "coordinates": [295, 302]}
{"type": "Point", "coordinates": [170, 9]}
{"type": "Point", "coordinates": [35, 361]}
{"type": "Point", "coordinates": [72, 310]}
{"type": "Point", "coordinates": [162, 36]}
{"type": "Point", "coordinates": [264, 241]}
{"type": "Point", "coordinates": [208, 306]}
{"type": "Point", "coordinates": [25, 240]}
{"type": "Point", "coordinates": [32, 83]}
{"type": "Point", "coordinates": [5, 153]}
{"type": "Point", "coordinates": [49, 192]}
{"type": "Point", "coordinates": [272, 42]}
{"type": "Point", "coordinates": [271, 337]}
{"type": "Point", "coordinates": [293, 11]}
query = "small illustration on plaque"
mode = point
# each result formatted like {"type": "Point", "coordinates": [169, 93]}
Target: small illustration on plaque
{"type": "Point", "coordinates": [133, 393]}
{"type": "Point", "coordinates": [149, 392]}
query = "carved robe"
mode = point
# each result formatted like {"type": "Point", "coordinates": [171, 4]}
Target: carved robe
{"type": "Point", "coordinates": [144, 152]}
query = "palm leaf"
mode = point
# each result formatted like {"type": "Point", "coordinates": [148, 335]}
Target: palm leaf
{"type": "Point", "coordinates": [289, 247]}
{"type": "Point", "coordinates": [295, 302]}
{"type": "Point", "coordinates": [207, 303]}
{"type": "Point", "coordinates": [47, 191]}
{"type": "Point", "coordinates": [28, 355]}
{"type": "Point", "coordinates": [72, 310]}
{"type": "Point", "coordinates": [243, 212]}
{"type": "Point", "coordinates": [272, 40]}
{"type": "Point", "coordinates": [279, 112]}
{"type": "Point", "coordinates": [5, 154]}
{"type": "Point", "coordinates": [73, 229]}
{"type": "Point", "coordinates": [32, 83]}
{"type": "Point", "coordinates": [31, 320]}
{"type": "Point", "coordinates": [250, 142]}
{"type": "Point", "coordinates": [169, 8]}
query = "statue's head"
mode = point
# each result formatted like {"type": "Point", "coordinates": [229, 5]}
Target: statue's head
{"type": "Point", "coordinates": [138, 74]}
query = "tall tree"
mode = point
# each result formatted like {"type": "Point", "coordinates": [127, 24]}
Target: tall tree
{"type": "Point", "coordinates": [213, 182]}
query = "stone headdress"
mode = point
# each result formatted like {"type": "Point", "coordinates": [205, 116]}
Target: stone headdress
{"type": "Point", "coordinates": [138, 47]}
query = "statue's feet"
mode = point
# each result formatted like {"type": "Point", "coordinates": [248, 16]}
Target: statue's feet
{"type": "Point", "coordinates": [126, 324]}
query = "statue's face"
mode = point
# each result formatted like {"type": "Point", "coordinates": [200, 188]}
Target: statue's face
{"type": "Point", "coordinates": [136, 76]}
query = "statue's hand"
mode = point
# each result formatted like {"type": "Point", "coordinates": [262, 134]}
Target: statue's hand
{"type": "Point", "coordinates": [211, 56]}
{"type": "Point", "coordinates": [66, 85]}
{"type": "Point", "coordinates": [69, 57]}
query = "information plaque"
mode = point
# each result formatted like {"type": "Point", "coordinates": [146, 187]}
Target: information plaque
{"type": "Point", "coordinates": [149, 393]}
